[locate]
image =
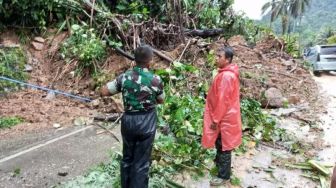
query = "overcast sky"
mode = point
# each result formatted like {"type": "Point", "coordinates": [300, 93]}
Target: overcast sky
{"type": "Point", "coordinates": [252, 8]}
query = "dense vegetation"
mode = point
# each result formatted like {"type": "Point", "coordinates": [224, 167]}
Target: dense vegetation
{"type": "Point", "coordinates": [315, 26]}
{"type": "Point", "coordinates": [94, 27]}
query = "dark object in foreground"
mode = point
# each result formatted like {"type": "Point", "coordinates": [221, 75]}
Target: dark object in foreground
{"type": "Point", "coordinates": [63, 174]}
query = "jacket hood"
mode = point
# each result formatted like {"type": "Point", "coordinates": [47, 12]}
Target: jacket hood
{"type": "Point", "coordinates": [232, 68]}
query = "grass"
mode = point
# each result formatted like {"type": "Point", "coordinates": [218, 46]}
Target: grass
{"type": "Point", "coordinates": [12, 65]}
{"type": "Point", "coordinates": [17, 171]}
{"type": "Point", "coordinates": [8, 122]}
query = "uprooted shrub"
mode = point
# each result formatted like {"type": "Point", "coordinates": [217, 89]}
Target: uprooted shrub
{"type": "Point", "coordinates": [85, 48]}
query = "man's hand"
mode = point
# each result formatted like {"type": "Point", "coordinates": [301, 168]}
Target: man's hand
{"type": "Point", "coordinates": [160, 98]}
{"type": "Point", "coordinates": [104, 92]}
{"type": "Point", "coordinates": [213, 126]}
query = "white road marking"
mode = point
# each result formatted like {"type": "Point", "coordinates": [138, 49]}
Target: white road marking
{"type": "Point", "coordinates": [41, 145]}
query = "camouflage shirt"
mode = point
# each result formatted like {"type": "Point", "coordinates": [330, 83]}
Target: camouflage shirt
{"type": "Point", "coordinates": [140, 89]}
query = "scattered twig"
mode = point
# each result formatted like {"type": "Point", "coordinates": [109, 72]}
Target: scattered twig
{"type": "Point", "coordinates": [301, 167]}
{"type": "Point", "coordinates": [284, 74]}
{"type": "Point", "coordinates": [293, 69]}
{"type": "Point", "coordinates": [68, 24]}
{"type": "Point", "coordinates": [302, 119]}
{"type": "Point", "coordinates": [106, 129]}
{"type": "Point", "coordinates": [9, 46]}
{"type": "Point", "coordinates": [114, 117]}
{"type": "Point", "coordinates": [163, 56]}
{"type": "Point", "coordinates": [319, 167]}
{"type": "Point", "coordinates": [173, 184]}
{"type": "Point", "coordinates": [246, 67]}
{"type": "Point", "coordinates": [119, 50]}
{"type": "Point", "coordinates": [158, 53]}
{"type": "Point", "coordinates": [310, 176]}
{"type": "Point", "coordinates": [58, 31]}
{"type": "Point", "coordinates": [179, 59]}
{"type": "Point", "coordinates": [122, 52]}
{"type": "Point", "coordinates": [275, 146]}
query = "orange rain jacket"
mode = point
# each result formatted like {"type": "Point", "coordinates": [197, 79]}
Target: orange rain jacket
{"type": "Point", "coordinates": [223, 108]}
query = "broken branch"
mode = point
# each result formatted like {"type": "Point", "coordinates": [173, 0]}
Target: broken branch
{"type": "Point", "coordinates": [179, 59]}
{"type": "Point", "coordinates": [106, 129]}
{"type": "Point", "coordinates": [204, 32]}
{"type": "Point", "coordinates": [163, 56]}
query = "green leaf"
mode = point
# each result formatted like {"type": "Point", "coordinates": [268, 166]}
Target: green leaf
{"type": "Point", "coordinates": [75, 27]}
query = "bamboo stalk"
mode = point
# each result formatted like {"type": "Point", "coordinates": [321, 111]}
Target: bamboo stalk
{"type": "Point", "coordinates": [319, 167]}
{"type": "Point", "coordinates": [92, 10]}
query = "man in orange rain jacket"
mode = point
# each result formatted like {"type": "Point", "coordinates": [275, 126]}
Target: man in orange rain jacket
{"type": "Point", "coordinates": [222, 120]}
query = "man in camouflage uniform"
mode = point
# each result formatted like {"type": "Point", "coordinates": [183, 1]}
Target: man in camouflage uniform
{"type": "Point", "coordinates": [141, 91]}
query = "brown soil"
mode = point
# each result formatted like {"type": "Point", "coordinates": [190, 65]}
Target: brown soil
{"type": "Point", "coordinates": [49, 71]}
{"type": "Point", "coordinates": [266, 66]}
{"type": "Point", "coordinates": [261, 67]}
{"type": "Point", "coordinates": [39, 113]}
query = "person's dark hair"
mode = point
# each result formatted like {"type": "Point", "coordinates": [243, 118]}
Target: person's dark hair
{"type": "Point", "coordinates": [228, 51]}
{"type": "Point", "coordinates": [143, 54]}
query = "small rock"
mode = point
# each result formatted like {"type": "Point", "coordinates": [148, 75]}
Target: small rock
{"type": "Point", "coordinates": [81, 121]}
{"type": "Point", "coordinates": [28, 68]}
{"type": "Point", "coordinates": [95, 103]}
{"type": "Point", "coordinates": [56, 125]}
{"type": "Point", "coordinates": [274, 97]}
{"type": "Point", "coordinates": [62, 174]}
{"type": "Point", "coordinates": [294, 99]}
{"type": "Point", "coordinates": [39, 39]}
{"type": "Point", "coordinates": [38, 46]}
{"type": "Point", "coordinates": [237, 40]}
{"type": "Point", "coordinates": [35, 61]}
{"type": "Point", "coordinates": [284, 111]}
{"type": "Point", "coordinates": [299, 72]}
{"type": "Point", "coordinates": [66, 167]}
{"type": "Point", "coordinates": [72, 73]}
{"type": "Point", "coordinates": [50, 96]}
{"type": "Point", "coordinates": [287, 63]}
{"type": "Point", "coordinates": [60, 129]}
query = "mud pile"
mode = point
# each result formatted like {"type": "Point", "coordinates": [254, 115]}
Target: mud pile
{"type": "Point", "coordinates": [262, 67]}
{"type": "Point", "coordinates": [265, 66]}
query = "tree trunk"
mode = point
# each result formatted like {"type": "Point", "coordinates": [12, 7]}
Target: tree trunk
{"type": "Point", "coordinates": [204, 32]}
{"type": "Point", "coordinates": [284, 20]}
